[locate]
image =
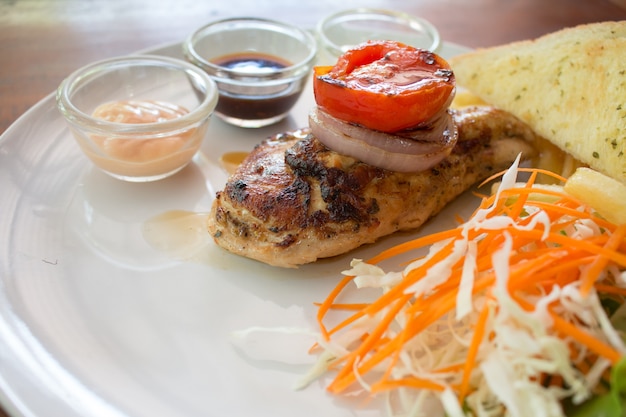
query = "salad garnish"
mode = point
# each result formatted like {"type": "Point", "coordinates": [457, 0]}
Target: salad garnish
{"type": "Point", "coordinates": [518, 311]}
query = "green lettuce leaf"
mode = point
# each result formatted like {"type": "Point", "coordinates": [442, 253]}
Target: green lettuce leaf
{"type": "Point", "coordinates": [611, 404]}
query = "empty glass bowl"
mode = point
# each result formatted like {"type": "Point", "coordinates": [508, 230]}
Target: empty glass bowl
{"type": "Point", "coordinates": [138, 118]}
{"type": "Point", "coordinates": [340, 31]}
{"type": "Point", "coordinates": [260, 67]}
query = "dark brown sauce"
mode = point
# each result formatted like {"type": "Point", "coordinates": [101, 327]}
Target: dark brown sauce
{"type": "Point", "coordinates": [263, 103]}
{"type": "Point", "coordinates": [251, 61]}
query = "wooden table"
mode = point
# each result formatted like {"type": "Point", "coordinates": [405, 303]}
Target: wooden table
{"type": "Point", "coordinates": [43, 41]}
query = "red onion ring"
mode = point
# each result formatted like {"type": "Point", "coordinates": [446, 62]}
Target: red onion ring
{"type": "Point", "coordinates": [412, 151]}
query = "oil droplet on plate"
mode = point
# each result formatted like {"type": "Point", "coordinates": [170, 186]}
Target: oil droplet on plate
{"type": "Point", "coordinates": [183, 236]}
{"type": "Point", "coordinates": [231, 160]}
{"type": "Point", "coordinates": [180, 234]}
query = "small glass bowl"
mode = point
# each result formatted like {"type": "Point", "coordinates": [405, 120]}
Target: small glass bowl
{"type": "Point", "coordinates": [160, 112]}
{"type": "Point", "coordinates": [260, 67]}
{"type": "Point", "coordinates": [341, 31]}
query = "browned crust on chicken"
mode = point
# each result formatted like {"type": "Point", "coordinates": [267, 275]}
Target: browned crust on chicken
{"type": "Point", "coordinates": [293, 201]}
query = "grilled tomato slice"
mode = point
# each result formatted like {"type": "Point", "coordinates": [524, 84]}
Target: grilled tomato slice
{"type": "Point", "coordinates": [385, 85]}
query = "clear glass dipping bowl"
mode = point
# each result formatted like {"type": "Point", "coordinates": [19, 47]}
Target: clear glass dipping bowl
{"type": "Point", "coordinates": [133, 150]}
{"type": "Point", "coordinates": [340, 31]}
{"type": "Point", "coordinates": [252, 96]}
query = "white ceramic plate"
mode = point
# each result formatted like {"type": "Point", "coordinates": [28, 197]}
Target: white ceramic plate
{"type": "Point", "coordinates": [94, 321]}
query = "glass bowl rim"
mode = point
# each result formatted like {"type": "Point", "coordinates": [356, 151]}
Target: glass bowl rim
{"type": "Point", "coordinates": [307, 38]}
{"type": "Point", "coordinates": [77, 117]}
{"type": "Point", "coordinates": [413, 21]}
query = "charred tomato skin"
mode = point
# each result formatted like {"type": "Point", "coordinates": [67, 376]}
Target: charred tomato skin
{"type": "Point", "coordinates": [385, 85]}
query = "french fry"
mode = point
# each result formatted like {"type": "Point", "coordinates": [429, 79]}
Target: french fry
{"type": "Point", "coordinates": [605, 194]}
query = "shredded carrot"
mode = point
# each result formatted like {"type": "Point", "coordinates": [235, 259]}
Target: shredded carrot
{"type": "Point", "coordinates": [346, 306]}
{"type": "Point", "coordinates": [414, 244]}
{"type": "Point", "coordinates": [552, 243]}
{"type": "Point", "coordinates": [586, 339]}
{"type": "Point", "coordinates": [326, 305]}
{"type": "Point", "coordinates": [456, 367]}
{"type": "Point", "coordinates": [610, 289]}
{"type": "Point", "coordinates": [546, 172]}
{"type": "Point", "coordinates": [411, 382]}
{"type": "Point", "coordinates": [591, 274]}
{"type": "Point", "coordinates": [352, 359]}
{"type": "Point", "coordinates": [472, 351]}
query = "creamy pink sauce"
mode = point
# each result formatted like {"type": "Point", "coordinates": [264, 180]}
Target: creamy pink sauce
{"type": "Point", "coordinates": [136, 157]}
{"type": "Point", "coordinates": [138, 111]}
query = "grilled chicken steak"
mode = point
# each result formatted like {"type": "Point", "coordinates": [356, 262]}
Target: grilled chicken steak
{"type": "Point", "coordinates": [293, 200]}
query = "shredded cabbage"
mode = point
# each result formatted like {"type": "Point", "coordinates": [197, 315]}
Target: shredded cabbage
{"type": "Point", "coordinates": [523, 366]}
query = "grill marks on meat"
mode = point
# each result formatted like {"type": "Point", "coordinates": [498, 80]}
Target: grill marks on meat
{"type": "Point", "coordinates": [293, 200]}
{"type": "Point", "coordinates": [340, 189]}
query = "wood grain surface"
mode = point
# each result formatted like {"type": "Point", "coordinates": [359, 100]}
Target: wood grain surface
{"type": "Point", "coordinates": [43, 41]}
